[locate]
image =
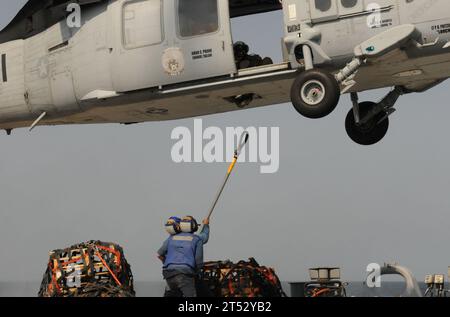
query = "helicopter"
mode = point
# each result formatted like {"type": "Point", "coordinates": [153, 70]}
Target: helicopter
{"type": "Point", "coordinates": [135, 61]}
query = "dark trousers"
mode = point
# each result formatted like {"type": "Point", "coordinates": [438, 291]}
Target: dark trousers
{"type": "Point", "coordinates": [181, 285]}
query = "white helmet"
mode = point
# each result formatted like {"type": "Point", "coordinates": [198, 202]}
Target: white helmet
{"type": "Point", "coordinates": [189, 225]}
{"type": "Point", "coordinates": [173, 226]}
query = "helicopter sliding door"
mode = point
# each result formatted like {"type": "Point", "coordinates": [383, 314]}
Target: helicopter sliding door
{"type": "Point", "coordinates": [161, 42]}
{"type": "Point", "coordinates": [139, 39]}
{"type": "Point", "coordinates": [203, 35]}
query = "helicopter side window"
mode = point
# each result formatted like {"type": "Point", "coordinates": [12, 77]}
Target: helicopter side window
{"type": "Point", "coordinates": [197, 17]}
{"type": "Point", "coordinates": [323, 5]}
{"type": "Point", "coordinates": [349, 3]}
{"type": "Point", "coordinates": [142, 23]}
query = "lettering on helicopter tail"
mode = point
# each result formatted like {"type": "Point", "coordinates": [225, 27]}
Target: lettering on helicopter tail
{"type": "Point", "coordinates": [4, 73]}
{"type": "Point", "coordinates": [173, 61]}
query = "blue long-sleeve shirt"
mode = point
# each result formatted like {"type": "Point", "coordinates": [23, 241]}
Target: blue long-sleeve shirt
{"type": "Point", "coordinates": [204, 234]}
{"type": "Point", "coordinates": [204, 238]}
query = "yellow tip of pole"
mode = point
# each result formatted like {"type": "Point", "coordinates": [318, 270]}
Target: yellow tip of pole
{"type": "Point", "coordinates": [230, 169]}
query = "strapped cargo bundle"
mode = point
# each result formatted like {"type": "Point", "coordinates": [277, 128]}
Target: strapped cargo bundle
{"type": "Point", "coordinates": [243, 279]}
{"type": "Point", "coordinates": [91, 269]}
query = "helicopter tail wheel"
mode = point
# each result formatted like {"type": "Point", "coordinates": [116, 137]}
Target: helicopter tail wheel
{"type": "Point", "coordinates": [370, 132]}
{"type": "Point", "coordinates": [315, 93]}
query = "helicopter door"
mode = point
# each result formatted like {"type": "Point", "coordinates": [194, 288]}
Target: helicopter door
{"type": "Point", "coordinates": [203, 35]}
{"type": "Point", "coordinates": [162, 42]}
{"type": "Point", "coordinates": [139, 38]}
{"type": "Point", "coordinates": [323, 10]}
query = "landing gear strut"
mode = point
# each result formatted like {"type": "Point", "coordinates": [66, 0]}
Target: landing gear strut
{"type": "Point", "coordinates": [315, 93]}
{"type": "Point", "coordinates": [368, 122]}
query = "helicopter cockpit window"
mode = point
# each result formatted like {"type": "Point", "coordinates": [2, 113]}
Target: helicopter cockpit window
{"type": "Point", "coordinates": [197, 17]}
{"type": "Point", "coordinates": [323, 5]}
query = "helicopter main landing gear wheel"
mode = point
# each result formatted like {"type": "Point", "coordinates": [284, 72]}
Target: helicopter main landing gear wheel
{"type": "Point", "coordinates": [315, 93]}
{"type": "Point", "coordinates": [370, 132]}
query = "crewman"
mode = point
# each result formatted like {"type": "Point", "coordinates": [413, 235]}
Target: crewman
{"type": "Point", "coordinates": [244, 59]}
{"type": "Point", "coordinates": [182, 257]}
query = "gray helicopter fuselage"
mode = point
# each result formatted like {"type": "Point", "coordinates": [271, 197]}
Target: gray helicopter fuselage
{"type": "Point", "coordinates": [334, 31]}
{"type": "Point", "coordinates": [151, 60]}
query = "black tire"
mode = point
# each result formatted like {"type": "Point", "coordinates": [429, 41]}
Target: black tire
{"type": "Point", "coordinates": [328, 101]}
{"type": "Point", "coordinates": [369, 133]}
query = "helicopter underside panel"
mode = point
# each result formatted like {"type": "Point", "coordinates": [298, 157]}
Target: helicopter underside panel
{"type": "Point", "coordinates": [274, 89]}
{"type": "Point", "coordinates": [397, 69]}
{"type": "Point", "coordinates": [176, 105]}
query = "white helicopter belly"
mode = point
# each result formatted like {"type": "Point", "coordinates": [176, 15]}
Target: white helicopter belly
{"type": "Point", "coordinates": [414, 74]}
{"type": "Point", "coordinates": [268, 87]}
{"type": "Point", "coordinates": [202, 98]}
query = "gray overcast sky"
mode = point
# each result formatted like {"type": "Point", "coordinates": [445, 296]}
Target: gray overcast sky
{"type": "Point", "coordinates": [331, 203]}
